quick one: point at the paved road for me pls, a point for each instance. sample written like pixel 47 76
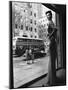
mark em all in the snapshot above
pixel 24 73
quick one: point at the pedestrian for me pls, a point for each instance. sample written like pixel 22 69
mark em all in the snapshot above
pixel 53 49
pixel 27 56
pixel 32 55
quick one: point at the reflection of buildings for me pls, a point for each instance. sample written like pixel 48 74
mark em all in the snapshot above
pixel 29 21
pixel 25 20
pixel 42 27
pixel 42 22
pixel 26 17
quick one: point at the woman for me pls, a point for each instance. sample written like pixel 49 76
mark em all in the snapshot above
pixel 53 49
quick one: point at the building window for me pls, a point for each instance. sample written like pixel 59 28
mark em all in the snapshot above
pixel 19 27
pixel 29 5
pixel 31 36
pixel 31 29
pixel 44 25
pixel 24 10
pixel 35 30
pixel 35 22
pixel 16 26
pixel 34 14
pixel 22 27
pixel 31 13
pixel 31 21
pixel 35 36
pixel 26 27
pixel 25 36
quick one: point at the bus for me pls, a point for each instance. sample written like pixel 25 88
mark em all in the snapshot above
pixel 20 44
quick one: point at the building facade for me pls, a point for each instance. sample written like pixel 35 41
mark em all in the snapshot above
pixel 29 20
pixel 25 19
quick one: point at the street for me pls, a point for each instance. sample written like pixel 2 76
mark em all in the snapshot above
pixel 24 73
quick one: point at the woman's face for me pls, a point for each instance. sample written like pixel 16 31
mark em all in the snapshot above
pixel 49 16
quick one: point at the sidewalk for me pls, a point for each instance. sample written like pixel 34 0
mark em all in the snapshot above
pixel 24 73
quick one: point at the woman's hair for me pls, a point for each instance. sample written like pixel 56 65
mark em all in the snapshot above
pixel 49 12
